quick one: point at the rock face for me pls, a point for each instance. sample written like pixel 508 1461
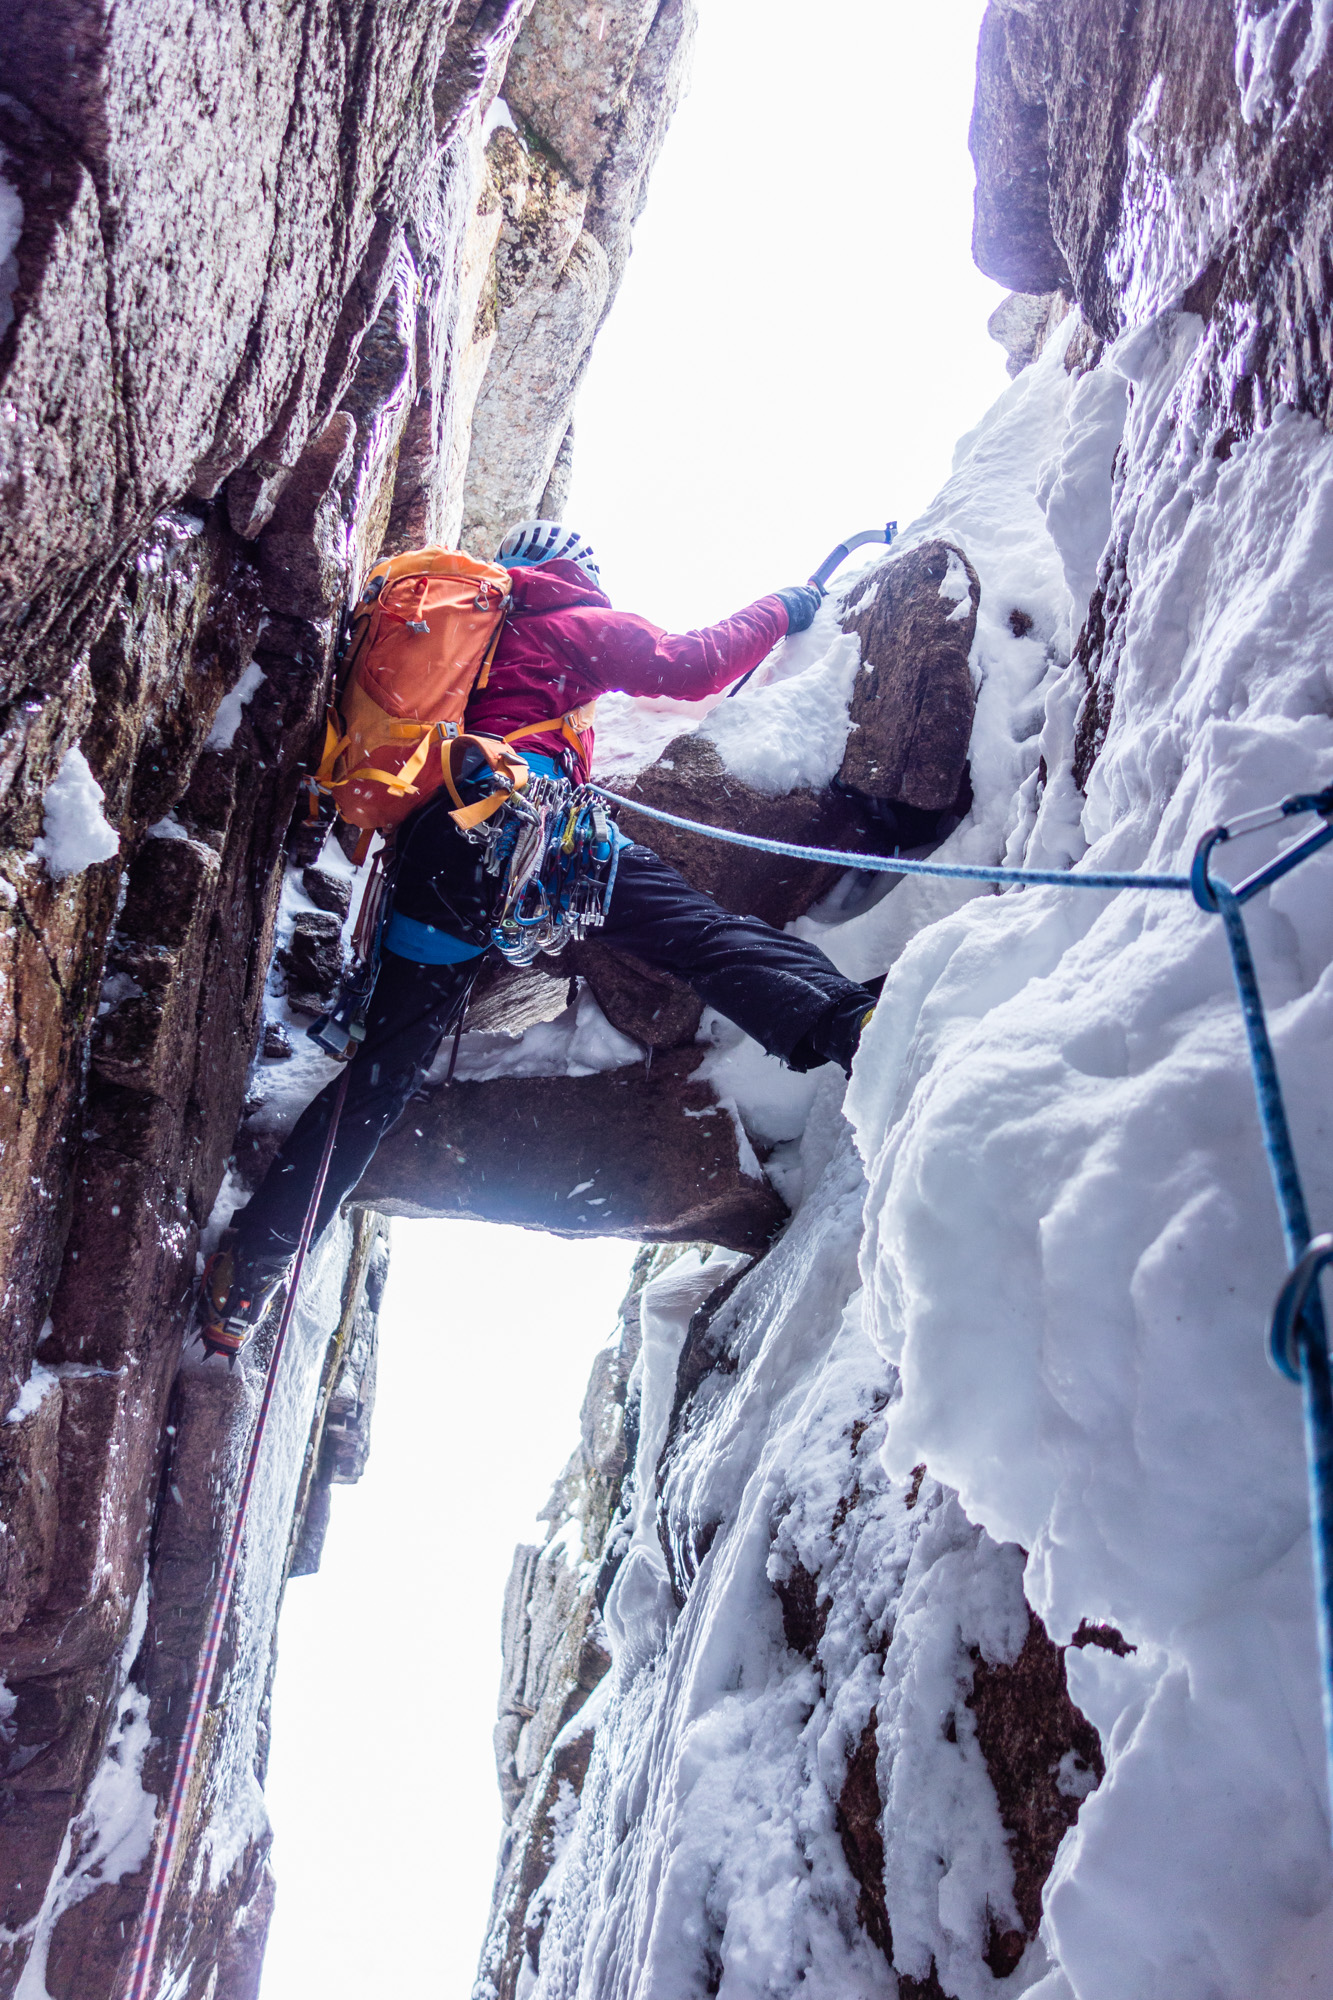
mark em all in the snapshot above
pixel 832 1573
pixel 632 1152
pixel 591 97
pixel 555 1649
pixel 896 1633
pixel 912 709
pixel 255 295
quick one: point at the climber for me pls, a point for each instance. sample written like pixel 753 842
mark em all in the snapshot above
pixel 562 645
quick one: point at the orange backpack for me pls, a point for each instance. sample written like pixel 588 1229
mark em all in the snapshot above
pixel 423 636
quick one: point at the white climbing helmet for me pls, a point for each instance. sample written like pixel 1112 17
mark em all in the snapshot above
pixel 533 542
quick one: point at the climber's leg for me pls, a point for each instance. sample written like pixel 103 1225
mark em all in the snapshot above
pixel 410 1011
pixel 780 989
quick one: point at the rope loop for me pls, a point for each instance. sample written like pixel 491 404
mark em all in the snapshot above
pixel 1290 1327
pixel 1204 893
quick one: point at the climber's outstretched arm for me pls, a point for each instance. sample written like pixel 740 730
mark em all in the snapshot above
pixel 631 655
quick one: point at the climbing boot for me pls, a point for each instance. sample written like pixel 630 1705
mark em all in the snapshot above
pixel 237 1293
pixel 836 1035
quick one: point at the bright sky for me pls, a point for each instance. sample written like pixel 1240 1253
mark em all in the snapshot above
pixel 801 338
pixel 799 342
pixel 382 1786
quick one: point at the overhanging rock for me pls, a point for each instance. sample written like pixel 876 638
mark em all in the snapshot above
pixel 643 1152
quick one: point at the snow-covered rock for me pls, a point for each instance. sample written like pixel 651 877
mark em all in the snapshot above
pixel 958 1598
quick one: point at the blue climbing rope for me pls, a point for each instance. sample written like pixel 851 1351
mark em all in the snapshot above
pixel 898 864
pixel 1298 1334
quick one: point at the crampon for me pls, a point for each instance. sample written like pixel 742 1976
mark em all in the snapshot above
pixel 235 1298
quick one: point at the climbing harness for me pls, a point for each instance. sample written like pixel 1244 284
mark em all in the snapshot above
pixel 139 1982
pixel 819 577
pixel 552 852
pixel 1298 1336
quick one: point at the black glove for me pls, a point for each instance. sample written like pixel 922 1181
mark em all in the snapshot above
pixel 801 602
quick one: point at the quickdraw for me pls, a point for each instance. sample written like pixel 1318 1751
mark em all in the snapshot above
pixel 552 851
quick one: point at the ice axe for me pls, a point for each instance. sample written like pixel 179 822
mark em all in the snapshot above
pixel 835 557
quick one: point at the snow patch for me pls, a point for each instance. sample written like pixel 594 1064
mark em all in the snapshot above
pixel 497 115
pixel 639 1607
pixel 75 832
pixel 113 1833
pixel 579 1042
pixel 633 732
pixel 167 828
pixel 228 718
pixel 1261 30
pixel 766 1101
pixel 787 728
pixel 1074 487
pixel 35 1390
pixel 116 989
pixel 955 588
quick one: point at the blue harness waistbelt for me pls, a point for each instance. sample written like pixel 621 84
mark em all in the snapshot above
pixel 425 944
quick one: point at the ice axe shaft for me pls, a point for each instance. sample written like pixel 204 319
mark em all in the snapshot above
pixel 835 557
pixel 820 576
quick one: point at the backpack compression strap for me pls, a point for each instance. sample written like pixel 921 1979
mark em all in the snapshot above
pixel 507 766
pixel 569 726
pixel 510 769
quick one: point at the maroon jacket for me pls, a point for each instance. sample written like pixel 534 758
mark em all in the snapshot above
pixel 563 645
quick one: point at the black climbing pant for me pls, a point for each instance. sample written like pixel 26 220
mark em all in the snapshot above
pixel 779 989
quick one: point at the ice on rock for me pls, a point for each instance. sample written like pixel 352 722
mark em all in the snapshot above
pixel 579 1042
pixel 787 729
pixel 41 1381
pixel 112 1834
pixel 1071 1242
pixel 955 588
